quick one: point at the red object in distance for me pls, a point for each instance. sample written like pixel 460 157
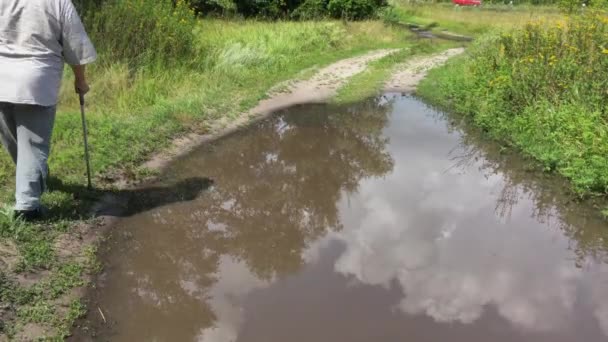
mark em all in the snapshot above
pixel 467 2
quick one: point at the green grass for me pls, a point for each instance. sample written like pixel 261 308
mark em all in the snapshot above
pixel 541 90
pixel 44 302
pixel 41 302
pixel 370 82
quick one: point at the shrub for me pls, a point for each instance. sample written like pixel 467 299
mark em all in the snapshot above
pixel 298 9
pixel 311 9
pixel 213 6
pixel 389 15
pixel 354 9
pixel 264 8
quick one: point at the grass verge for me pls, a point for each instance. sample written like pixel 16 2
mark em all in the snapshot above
pixel 370 82
pixel 542 90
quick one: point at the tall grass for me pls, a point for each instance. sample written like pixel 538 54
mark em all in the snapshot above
pixel 543 89
pixel 144 32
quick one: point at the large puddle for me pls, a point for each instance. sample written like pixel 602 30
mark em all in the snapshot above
pixel 377 222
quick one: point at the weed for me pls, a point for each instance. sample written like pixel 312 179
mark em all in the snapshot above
pixel 34 247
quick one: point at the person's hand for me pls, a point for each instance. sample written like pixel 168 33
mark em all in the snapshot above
pixel 81 86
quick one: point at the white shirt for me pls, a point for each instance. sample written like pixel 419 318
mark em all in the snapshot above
pixel 36 38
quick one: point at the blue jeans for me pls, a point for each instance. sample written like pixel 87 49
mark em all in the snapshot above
pixel 25 132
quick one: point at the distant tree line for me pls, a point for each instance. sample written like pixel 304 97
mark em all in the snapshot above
pixel 272 9
pixel 319 9
pixel 290 9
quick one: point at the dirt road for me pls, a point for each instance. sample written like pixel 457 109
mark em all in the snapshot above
pixel 320 88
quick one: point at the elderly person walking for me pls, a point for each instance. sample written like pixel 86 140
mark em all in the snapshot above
pixel 36 38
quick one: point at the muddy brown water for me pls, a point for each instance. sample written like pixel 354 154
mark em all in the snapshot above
pixel 381 221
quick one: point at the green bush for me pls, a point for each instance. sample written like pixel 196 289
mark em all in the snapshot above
pixel 543 89
pixel 390 15
pixel 270 9
pixel 311 9
pixel 260 8
pixel 144 32
pixel 222 7
pixel 299 9
pixel 354 9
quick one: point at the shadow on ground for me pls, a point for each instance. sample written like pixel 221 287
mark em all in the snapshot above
pixel 73 201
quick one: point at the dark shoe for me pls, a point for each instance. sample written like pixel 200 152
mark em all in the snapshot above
pixel 29 215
